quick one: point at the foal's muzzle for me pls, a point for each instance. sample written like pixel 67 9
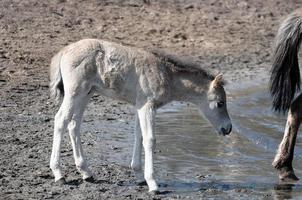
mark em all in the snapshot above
pixel 226 130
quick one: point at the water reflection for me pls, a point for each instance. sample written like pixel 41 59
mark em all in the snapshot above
pixel 283 191
pixel 191 157
pixel 190 148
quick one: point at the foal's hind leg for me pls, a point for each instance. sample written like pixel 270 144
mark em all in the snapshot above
pixel 79 104
pixel 61 121
pixel 284 157
pixel 69 115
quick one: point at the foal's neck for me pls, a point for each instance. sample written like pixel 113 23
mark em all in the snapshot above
pixel 189 86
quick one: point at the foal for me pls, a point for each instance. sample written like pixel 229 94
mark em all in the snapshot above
pixel 284 82
pixel 147 80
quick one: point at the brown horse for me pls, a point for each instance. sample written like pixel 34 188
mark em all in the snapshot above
pixel 284 83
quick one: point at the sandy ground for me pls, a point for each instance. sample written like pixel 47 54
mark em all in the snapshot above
pixel 230 36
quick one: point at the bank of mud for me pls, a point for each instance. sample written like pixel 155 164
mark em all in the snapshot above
pixel 232 37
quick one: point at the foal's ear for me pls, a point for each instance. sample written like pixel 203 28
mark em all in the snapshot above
pixel 218 81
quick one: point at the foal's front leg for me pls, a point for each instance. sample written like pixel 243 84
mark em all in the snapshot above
pixel 136 163
pixel 146 118
pixel 284 157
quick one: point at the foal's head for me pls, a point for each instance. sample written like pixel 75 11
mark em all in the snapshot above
pixel 214 106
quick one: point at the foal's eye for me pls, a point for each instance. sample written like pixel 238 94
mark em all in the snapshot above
pixel 220 104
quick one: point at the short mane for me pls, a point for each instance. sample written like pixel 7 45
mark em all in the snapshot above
pixel 181 64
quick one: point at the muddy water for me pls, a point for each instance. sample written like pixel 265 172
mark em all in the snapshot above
pixel 191 151
pixel 192 158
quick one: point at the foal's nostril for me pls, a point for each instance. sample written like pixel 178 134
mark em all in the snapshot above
pixel 227 130
pixel 223 131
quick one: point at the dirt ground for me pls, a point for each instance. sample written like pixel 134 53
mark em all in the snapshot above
pixel 234 37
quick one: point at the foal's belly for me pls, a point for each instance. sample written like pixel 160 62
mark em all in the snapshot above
pixel 122 96
pixel 119 87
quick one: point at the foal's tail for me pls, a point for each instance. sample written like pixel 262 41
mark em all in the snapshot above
pixel 285 73
pixel 56 82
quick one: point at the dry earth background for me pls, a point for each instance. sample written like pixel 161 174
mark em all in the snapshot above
pixel 231 36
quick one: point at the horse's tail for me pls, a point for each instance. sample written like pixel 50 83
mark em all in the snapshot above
pixel 285 73
pixel 56 81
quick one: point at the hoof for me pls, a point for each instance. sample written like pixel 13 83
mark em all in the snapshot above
pixel 154 192
pixel 142 183
pixel 136 168
pixel 61 181
pixel 288 176
pixel 89 179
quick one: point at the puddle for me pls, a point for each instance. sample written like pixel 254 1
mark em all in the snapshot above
pixel 192 157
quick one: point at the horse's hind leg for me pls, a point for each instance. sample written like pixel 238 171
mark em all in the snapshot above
pixel 284 157
pixel 79 103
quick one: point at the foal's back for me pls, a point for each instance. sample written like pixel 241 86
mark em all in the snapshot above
pixel 113 70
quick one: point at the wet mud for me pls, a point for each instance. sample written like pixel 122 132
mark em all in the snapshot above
pixel 232 37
